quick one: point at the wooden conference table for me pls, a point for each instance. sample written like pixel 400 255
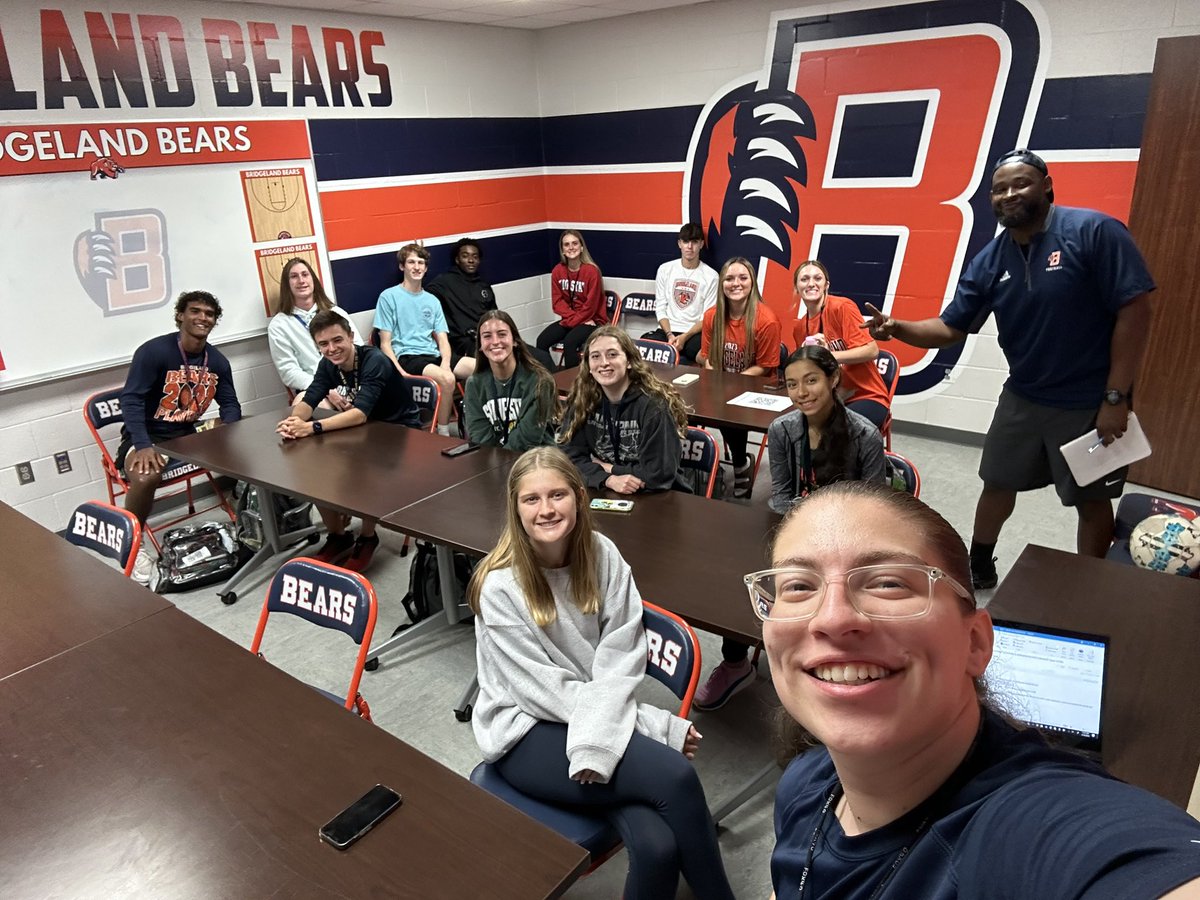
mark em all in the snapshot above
pixel 709 395
pixel 1152 724
pixel 399 476
pixel 370 470
pixel 687 553
pixel 160 759
pixel 51 602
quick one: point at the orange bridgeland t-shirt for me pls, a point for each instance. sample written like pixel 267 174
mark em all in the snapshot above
pixel 733 358
pixel 840 321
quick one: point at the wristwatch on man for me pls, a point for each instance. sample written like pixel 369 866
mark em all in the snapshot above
pixel 318 427
pixel 1113 397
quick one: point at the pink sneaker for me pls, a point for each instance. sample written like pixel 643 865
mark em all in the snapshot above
pixel 723 682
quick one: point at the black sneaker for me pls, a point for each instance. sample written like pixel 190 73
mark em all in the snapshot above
pixel 363 553
pixel 335 548
pixel 983 576
pixel 743 481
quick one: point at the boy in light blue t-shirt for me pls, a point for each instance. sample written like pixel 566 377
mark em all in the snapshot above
pixel 413 332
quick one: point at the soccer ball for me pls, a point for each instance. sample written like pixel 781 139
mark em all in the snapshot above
pixel 1166 543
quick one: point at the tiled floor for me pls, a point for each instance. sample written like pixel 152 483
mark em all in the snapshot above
pixel 413 693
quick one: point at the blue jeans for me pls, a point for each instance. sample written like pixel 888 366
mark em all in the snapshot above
pixel 654 800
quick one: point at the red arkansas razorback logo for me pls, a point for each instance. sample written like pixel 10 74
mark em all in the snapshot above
pixel 867 141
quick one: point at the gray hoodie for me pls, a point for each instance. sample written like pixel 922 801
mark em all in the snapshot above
pixel 579 670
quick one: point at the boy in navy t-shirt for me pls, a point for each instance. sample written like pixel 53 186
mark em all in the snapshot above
pixel 171 382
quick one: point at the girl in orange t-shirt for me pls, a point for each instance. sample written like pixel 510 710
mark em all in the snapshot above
pixel 835 323
pixel 739 334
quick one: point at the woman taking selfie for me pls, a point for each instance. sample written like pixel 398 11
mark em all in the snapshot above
pixel 818 443
pixel 915 787
pixel 560 651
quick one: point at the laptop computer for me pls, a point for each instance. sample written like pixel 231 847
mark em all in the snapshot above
pixel 1053 680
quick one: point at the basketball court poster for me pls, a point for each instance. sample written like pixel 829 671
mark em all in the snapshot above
pixel 270 268
pixel 277 204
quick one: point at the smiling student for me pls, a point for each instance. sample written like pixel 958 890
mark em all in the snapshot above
pixel 915 787
pixel 171 382
pixel 560 650
pixel 623 423
pixel 413 331
pixel 301 297
pixel 684 290
pixel 510 400
pixel 577 297
pixel 836 323
pixel 376 391
pixel 739 334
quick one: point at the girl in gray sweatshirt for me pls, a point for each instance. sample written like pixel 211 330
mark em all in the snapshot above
pixel 560 650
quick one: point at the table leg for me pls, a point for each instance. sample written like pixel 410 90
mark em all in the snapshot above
pixel 762 779
pixel 453 611
pixel 273 543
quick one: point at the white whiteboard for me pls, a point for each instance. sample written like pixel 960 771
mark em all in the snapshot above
pixel 58 328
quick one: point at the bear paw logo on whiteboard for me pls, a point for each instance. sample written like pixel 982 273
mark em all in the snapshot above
pixel 122 262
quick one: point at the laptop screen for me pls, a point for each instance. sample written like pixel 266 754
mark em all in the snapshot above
pixel 1051 679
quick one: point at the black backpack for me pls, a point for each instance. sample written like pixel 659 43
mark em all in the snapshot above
pixel 424 582
pixel 290 515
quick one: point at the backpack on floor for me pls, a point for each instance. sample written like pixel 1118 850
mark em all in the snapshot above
pixel 290 514
pixel 196 555
pixel 424 582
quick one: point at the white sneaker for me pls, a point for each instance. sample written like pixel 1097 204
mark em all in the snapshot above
pixel 144 567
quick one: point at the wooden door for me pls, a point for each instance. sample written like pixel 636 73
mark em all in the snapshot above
pixel 1165 222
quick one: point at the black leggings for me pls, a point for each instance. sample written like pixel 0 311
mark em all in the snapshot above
pixel 654 800
pixel 736 440
pixel 572 339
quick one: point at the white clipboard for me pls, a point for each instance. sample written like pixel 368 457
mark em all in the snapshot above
pixel 1089 460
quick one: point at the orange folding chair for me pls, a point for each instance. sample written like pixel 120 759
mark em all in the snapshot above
pixel 108 530
pixel 331 597
pixel 103 416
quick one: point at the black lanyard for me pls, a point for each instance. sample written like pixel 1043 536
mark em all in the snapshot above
pixel 192 379
pixel 614 434
pixel 935 806
pixel 807 479
pixel 350 386
pixel 833 797
pixel 501 428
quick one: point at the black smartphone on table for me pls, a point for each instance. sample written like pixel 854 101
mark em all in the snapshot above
pixel 460 449
pixel 360 816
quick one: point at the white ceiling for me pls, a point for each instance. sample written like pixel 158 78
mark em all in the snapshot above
pixel 531 14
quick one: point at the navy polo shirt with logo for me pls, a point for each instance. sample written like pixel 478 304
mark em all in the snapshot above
pixel 1055 308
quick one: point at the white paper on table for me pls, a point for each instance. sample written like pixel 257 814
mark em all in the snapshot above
pixel 1090 460
pixel 755 400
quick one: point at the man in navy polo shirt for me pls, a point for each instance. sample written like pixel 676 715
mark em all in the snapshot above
pixel 1070 293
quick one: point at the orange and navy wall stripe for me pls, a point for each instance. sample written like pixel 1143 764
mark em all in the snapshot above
pixel 516 181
